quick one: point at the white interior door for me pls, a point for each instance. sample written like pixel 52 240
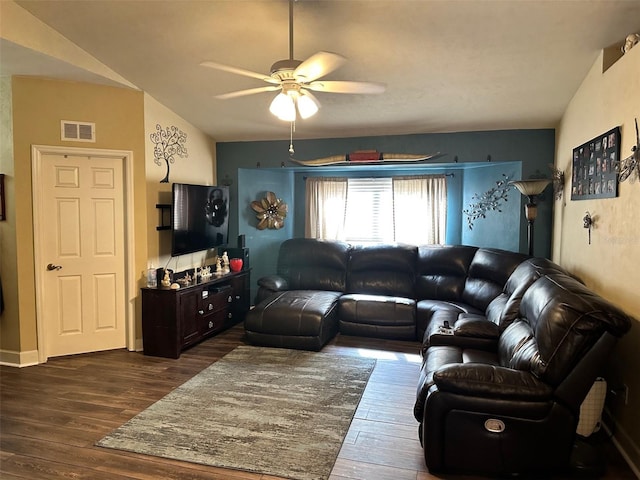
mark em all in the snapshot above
pixel 82 257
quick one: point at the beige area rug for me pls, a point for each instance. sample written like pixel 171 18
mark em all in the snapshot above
pixel 266 410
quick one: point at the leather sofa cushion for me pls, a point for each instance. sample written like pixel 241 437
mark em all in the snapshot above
pixel 469 330
pixel 294 312
pixel 517 347
pixel 442 271
pixel 377 310
pixel 309 264
pixel 505 308
pixel 566 319
pixel 382 270
pixel 486 380
pixel 434 358
pixel 273 282
pixel 488 273
pixel 426 310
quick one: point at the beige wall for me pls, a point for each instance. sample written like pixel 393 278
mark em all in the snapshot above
pixel 38 107
pixel 611 264
pixel 8 265
pixel 198 167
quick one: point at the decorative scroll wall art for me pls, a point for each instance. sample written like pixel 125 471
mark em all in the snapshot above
pixel 594 167
pixel 168 143
pixel 490 200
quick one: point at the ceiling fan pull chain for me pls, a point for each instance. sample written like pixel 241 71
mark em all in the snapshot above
pixel 291 150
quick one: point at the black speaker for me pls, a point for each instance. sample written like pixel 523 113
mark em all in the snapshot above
pixel 242 253
pixel 241 240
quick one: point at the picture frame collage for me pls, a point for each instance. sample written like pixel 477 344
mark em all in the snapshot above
pixel 594 172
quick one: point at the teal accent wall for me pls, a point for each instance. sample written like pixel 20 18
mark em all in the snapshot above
pixel 253 184
pixel 500 228
pixel 254 168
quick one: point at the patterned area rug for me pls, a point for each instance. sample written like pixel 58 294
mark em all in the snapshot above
pixel 265 410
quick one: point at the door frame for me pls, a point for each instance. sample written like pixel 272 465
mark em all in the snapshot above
pixel 126 156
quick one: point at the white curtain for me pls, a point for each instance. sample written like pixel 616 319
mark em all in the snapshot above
pixel 418 216
pixel 325 203
pixel 420 209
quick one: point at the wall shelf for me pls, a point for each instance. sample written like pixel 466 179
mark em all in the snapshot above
pixel 165 211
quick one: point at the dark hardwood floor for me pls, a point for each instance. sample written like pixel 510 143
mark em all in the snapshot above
pixel 52 414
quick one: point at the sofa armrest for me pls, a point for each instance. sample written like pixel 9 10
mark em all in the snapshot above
pixel 273 282
pixel 491 381
pixel 477 328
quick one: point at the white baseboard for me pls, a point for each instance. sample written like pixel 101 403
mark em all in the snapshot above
pixel 12 358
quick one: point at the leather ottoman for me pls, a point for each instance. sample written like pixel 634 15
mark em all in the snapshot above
pixel 300 319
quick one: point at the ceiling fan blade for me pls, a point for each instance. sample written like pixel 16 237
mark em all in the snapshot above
pixel 250 91
pixel 337 86
pixel 318 65
pixel 239 71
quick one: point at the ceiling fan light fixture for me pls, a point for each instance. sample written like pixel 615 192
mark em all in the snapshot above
pixel 307 106
pixel 283 106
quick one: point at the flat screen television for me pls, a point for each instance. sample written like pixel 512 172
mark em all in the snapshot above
pixel 199 218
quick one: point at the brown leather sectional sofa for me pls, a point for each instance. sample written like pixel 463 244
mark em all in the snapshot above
pixel 510 344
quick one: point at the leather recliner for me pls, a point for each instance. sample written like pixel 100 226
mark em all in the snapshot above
pixel 515 409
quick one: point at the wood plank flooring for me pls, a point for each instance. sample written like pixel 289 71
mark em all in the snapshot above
pixel 52 414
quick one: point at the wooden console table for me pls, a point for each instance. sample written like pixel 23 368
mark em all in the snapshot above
pixel 173 320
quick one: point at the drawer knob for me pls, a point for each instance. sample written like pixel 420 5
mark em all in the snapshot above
pixel 201 312
pixel 210 324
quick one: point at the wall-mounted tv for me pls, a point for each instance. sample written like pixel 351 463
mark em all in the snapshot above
pixel 199 218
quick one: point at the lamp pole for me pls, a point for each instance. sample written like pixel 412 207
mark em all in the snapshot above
pixel 530 212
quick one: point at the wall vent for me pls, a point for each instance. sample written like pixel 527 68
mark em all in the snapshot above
pixel 78 131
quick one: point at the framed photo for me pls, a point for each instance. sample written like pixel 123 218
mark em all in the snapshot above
pixel 594 167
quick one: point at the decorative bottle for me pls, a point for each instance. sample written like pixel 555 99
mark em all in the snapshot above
pixel 152 279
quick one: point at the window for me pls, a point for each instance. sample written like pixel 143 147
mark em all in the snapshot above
pixel 399 209
pixel 369 210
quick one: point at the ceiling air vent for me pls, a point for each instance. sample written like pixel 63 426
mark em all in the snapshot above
pixel 78 131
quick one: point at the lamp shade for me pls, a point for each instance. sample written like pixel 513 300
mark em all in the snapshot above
pixel 531 187
pixel 283 107
pixel 307 106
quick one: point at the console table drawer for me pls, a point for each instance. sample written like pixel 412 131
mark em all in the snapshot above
pixel 215 300
pixel 213 322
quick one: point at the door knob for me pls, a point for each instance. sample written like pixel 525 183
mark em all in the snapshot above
pixel 51 266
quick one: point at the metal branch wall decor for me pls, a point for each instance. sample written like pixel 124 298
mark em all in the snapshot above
pixel 492 199
pixel 629 168
pixel 558 182
pixel 271 211
pixel 168 143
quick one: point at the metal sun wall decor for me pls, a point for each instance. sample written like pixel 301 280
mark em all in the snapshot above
pixel 271 211
pixel 492 199
pixel 594 167
pixel 168 143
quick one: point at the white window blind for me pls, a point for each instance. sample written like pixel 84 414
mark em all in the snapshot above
pixel 407 209
pixel 369 210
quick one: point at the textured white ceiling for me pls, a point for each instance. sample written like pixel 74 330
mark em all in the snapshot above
pixel 449 65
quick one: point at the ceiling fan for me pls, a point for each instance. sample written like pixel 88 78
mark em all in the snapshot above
pixel 296 79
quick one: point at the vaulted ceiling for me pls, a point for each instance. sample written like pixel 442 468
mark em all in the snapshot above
pixel 449 65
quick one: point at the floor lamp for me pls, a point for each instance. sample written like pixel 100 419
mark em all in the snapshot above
pixel 531 189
